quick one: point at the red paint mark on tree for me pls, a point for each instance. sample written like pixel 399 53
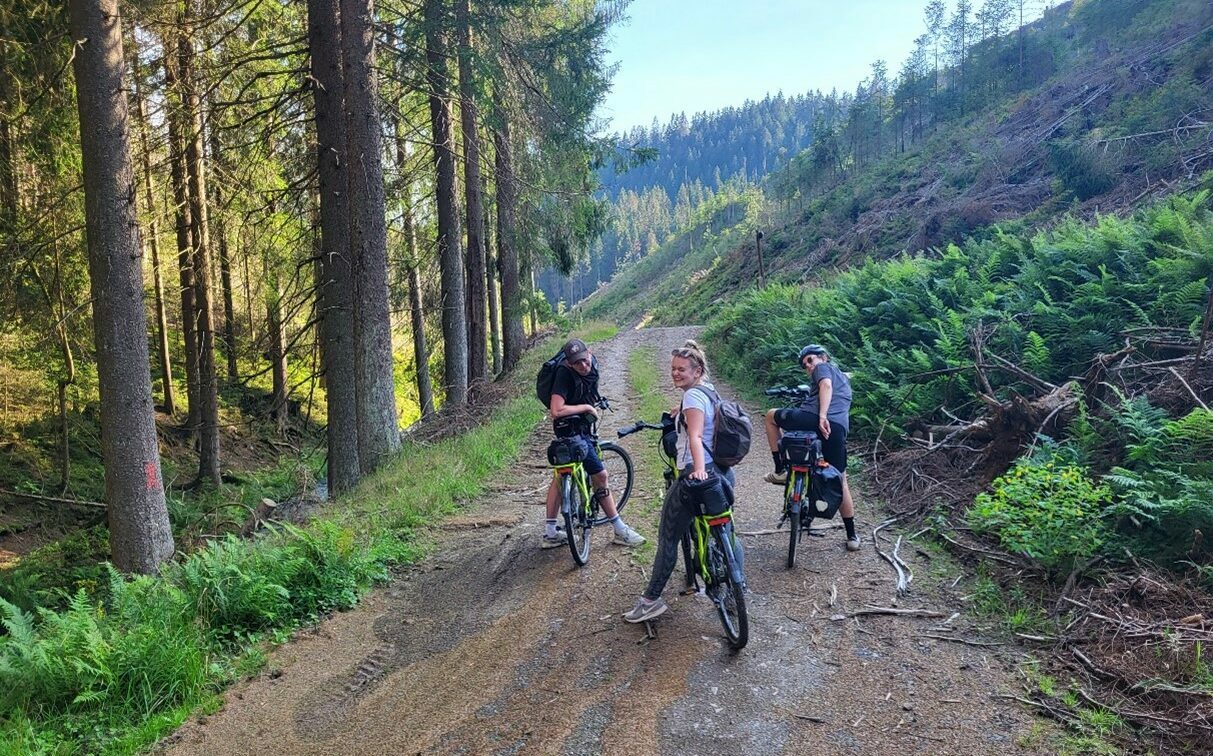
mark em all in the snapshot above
pixel 152 471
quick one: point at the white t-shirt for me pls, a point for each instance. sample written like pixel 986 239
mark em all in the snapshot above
pixel 693 398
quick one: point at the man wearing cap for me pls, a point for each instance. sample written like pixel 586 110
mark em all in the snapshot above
pixel 826 411
pixel 574 393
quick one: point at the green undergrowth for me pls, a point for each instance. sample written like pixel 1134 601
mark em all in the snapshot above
pixel 644 377
pixel 96 662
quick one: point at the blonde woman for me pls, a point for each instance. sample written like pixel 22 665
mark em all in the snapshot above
pixel 688 371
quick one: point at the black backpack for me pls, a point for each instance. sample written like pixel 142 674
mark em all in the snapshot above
pixel 547 377
pixel 733 430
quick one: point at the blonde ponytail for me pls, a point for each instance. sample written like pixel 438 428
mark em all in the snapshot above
pixel 693 352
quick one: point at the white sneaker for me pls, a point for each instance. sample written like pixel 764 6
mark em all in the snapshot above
pixel 627 537
pixel 554 542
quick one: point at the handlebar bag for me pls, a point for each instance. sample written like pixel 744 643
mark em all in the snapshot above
pixel 566 451
pixel 825 492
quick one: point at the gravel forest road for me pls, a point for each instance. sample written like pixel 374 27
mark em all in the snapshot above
pixel 493 646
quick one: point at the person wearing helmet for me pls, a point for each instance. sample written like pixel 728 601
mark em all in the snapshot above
pixel 826 411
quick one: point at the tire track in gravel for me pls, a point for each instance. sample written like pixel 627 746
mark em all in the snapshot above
pixel 492 646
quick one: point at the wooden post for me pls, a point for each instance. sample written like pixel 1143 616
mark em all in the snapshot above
pixel 762 271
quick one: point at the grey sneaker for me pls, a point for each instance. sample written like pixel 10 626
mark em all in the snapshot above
pixel 627 537
pixel 853 544
pixel 779 479
pixel 554 542
pixel 646 610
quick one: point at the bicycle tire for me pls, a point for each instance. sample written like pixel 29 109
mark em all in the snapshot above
pixel 793 517
pixel 577 531
pixel 618 464
pixel 730 603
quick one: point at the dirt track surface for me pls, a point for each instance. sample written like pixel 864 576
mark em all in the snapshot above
pixel 493 646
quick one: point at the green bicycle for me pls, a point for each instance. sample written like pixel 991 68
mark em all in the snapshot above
pixel 707 548
pixel 578 506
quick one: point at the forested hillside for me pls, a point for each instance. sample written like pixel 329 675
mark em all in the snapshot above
pixel 242 247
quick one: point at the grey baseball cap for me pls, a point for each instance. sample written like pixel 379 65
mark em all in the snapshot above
pixel 575 349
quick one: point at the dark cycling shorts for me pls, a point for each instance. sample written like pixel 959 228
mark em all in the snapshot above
pixel 834 448
pixel 593 465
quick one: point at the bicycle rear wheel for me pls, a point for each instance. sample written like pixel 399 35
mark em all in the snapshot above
pixel 621 474
pixel 795 489
pixel 728 594
pixel 577 523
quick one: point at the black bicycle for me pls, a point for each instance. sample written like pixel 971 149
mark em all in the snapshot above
pixel 707 549
pixel 802 450
pixel 578 506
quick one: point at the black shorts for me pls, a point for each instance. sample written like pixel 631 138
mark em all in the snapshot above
pixel 834 448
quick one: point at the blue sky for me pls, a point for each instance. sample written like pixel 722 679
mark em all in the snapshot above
pixel 692 55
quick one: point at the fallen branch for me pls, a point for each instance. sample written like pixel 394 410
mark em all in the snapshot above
pixel 52 499
pixel 902 584
pixel 1175 373
pixel 960 640
pixel 891 610
pixel 991 554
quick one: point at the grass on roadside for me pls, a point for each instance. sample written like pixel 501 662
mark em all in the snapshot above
pixel 124 660
pixel 645 380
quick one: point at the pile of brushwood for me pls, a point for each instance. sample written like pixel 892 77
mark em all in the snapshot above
pixel 1042 402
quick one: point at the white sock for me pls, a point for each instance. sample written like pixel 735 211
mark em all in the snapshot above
pixel 549 528
pixel 619 525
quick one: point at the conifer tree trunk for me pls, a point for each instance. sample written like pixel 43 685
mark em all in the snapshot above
pixel 490 264
pixel 185 254
pixel 476 269
pixel 454 324
pixel 208 378
pixel 337 290
pixel 225 269
pixel 378 429
pixel 162 348
pixel 140 537
pixel 277 347
pixel 421 352
pixel 512 336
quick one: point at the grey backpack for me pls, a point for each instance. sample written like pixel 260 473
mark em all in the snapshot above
pixel 733 430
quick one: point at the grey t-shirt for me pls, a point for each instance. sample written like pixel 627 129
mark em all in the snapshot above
pixel 840 400
pixel 693 398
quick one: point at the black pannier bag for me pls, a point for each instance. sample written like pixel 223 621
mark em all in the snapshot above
pixel 801 448
pixel 825 492
pixel 713 496
pixel 569 426
pixel 565 451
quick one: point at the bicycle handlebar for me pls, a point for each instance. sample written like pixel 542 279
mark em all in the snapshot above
pixel 638 426
pixel 791 391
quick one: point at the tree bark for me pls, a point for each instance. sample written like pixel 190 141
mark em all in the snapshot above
pixel 185 254
pixel 450 257
pixel 337 291
pixel 166 365
pixel 208 377
pixel 476 283
pixel 277 347
pixel 378 427
pixel 421 352
pixel 225 268
pixel 140 536
pixel 490 264
pixel 513 338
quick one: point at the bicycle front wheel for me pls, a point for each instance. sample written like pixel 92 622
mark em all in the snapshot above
pixel 621 474
pixel 729 596
pixel 576 522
